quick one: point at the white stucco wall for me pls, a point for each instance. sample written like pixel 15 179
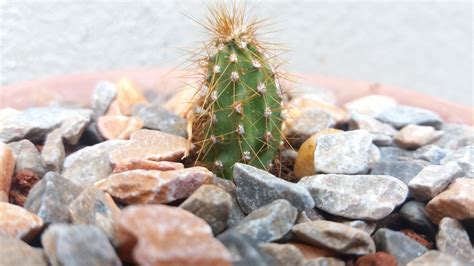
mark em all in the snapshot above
pixel 423 45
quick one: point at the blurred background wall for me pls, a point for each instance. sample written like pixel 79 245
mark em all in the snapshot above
pixel 422 45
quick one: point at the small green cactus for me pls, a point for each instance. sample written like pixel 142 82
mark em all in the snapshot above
pixel 238 112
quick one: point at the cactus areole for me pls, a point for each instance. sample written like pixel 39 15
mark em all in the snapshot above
pixel 237 116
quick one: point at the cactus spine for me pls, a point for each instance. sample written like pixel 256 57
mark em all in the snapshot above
pixel 238 113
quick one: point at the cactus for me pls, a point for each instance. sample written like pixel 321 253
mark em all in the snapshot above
pixel 238 113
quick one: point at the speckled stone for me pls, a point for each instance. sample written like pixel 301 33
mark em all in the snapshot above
pixel 301 126
pixel 28 158
pixel 399 245
pixel 17 252
pixel 90 164
pixel 370 124
pixel 324 262
pixel 404 169
pixel 331 148
pixel 370 105
pixel 72 129
pixel 78 245
pixel 7 166
pixel 158 118
pixel 453 239
pixel 142 186
pixel 434 257
pixel 366 197
pixel 430 153
pixel 413 213
pixel 464 157
pixel 433 179
pixel 35 123
pixel 146 165
pixel 256 188
pixel 236 214
pixel 270 222
pixel 17 222
pixel 366 226
pixel 338 237
pixel 401 115
pixel 284 254
pixel 415 136
pixel 118 126
pixel 53 151
pixel 212 204
pixel 244 249
pixel 456 136
pixel 50 198
pixel 103 95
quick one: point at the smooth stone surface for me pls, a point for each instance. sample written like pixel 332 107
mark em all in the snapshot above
pixel 50 198
pixel 453 239
pixel 399 245
pixel 382 140
pixel 370 105
pixel 270 222
pixel 456 136
pixel 324 262
pixel 256 188
pixel 430 153
pixel 456 202
pixel 17 222
pixel 97 208
pixel 16 252
pixel 284 254
pixel 433 179
pixel 34 123
pixel 400 116
pixel 142 186
pixel 338 237
pixel 163 235
pixel 28 158
pixel 434 257
pixel 118 126
pixel 355 145
pixel 413 212
pixel 103 95
pixel 147 165
pixel 151 145
pixel 90 164
pixel 404 170
pixel 77 245
pixel 7 166
pixel 212 204
pixel 370 124
pixel 376 259
pixel 158 118
pixel 415 136
pixel 464 157
pixel 53 151
pixel 366 197
pixel 244 249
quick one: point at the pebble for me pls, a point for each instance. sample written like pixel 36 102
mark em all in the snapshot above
pixel 78 245
pixel 377 259
pixel 415 136
pixel 97 208
pixel 212 204
pixel 366 197
pixel 103 95
pixel 324 262
pixel 374 126
pixel 53 151
pixel 28 158
pixel 17 222
pixel 395 154
pixel 456 136
pixel 164 235
pixel 21 185
pixel 152 145
pixel 306 154
pixel 399 245
pixel 90 164
pixel 401 115
pixel 308 215
pixel 7 166
pixel 433 179
pixel 118 126
pixel 158 118
pixel 355 145
pixel 455 202
pixel 413 213
pixel 244 249
pixel 370 105
pixel 434 257
pixel 256 188
pixel 430 153
pixel 453 239
pixel 182 101
pixel 404 170
pixel 17 252
pixel 146 187
pixel 368 227
pixel 464 157
pixel 418 238
pixel 72 129
pixel 91 135
pixel 270 222
pixel 35 123
pixel 338 237
pixel 146 165
pixel 382 140
pixel 312 252
pixel 128 95
pixel 236 214
pixel 50 198
pixel 304 103
pixel 299 127
pixel 284 254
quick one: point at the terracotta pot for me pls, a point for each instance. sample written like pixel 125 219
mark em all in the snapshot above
pixel 78 88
